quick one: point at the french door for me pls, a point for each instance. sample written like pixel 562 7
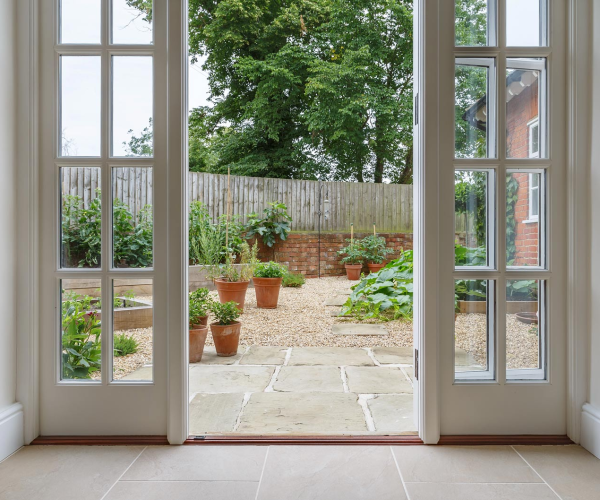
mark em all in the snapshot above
pixel 501 177
pixel 103 279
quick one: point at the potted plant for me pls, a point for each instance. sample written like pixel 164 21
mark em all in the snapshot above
pixel 375 252
pixel 267 283
pixel 231 282
pixel 353 260
pixel 199 304
pixel 226 330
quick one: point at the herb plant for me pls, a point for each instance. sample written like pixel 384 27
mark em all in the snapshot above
pixel 291 280
pixel 200 302
pixel 270 270
pixel 226 313
pixel 124 345
pixel 374 249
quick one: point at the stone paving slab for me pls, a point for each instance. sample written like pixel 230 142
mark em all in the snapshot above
pixel 263 355
pixel 209 357
pixel 358 329
pixel 214 413
pixel 410 371
pixel 230 379
pixel 332 356
pixel 394 355
pixel 143 373
pixel 280 412
pixel 377 380
pixel 309 379
pixel 338 300
pixel 392 413
pixel 464 358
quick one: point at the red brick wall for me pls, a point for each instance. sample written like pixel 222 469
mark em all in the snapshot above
pixel 300 252
pixel 520 111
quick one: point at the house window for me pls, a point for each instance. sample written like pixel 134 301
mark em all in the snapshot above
pixel 534 197
pixel 534 138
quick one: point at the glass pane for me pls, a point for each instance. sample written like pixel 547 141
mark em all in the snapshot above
pixel 524 219
pixel 80 101
pixel 132 106
pixel 523 111
pixel 80 21
pixel 132 327
pixel 132 217
pixel 474 122
pixel 132 22
pixel 525 23
pixel 81 211
pixel 471 190
pixel 471 23
pixel 80 330
pixel 472 329
pixel 523 346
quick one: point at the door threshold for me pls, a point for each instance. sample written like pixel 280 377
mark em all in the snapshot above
pixel 304 440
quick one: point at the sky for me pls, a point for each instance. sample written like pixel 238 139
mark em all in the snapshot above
pixel 132 82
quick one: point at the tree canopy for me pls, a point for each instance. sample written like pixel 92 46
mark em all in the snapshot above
pixel 303 89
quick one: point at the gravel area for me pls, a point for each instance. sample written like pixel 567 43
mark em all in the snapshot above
pixel 124 365
pixel 521 340
pixel 301 320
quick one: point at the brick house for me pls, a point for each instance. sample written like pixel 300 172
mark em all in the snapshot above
pixel 522 141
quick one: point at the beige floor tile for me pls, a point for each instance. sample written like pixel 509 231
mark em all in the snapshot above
pixel 573 472
pixel 463 464
pixel 214 413
pixel 198 463
pixel 330 473
pixel 236 379
pixel 448 491
pixel 183 490
pixel 64 472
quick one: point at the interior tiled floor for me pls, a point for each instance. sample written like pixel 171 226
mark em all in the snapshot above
pixel 300 472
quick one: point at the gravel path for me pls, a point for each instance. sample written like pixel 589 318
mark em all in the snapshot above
pixel 301 320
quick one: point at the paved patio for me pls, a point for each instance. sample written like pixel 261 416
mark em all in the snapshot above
pixel 303 390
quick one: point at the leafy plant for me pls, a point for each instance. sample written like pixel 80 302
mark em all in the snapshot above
pixel 522 290
pixel 132 241
pixel 200 303
pixel 81 231
pixel 386 295
pixel 226 313
pixel 270 270
pixel 81 329
pixel 464 256
pixel 354 254
pixel 292 280
pixel 274 224
pixel 125 345
pixel 374 249
pixel 229 272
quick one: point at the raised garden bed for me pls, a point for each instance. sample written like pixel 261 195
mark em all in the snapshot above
pixel 134 314
pixel 512 307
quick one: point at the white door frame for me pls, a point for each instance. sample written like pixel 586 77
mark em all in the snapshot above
pixel 579 17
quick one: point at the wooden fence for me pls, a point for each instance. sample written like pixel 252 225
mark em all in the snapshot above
pixel 389 206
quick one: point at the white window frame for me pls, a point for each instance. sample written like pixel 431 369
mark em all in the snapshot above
pixel 530 126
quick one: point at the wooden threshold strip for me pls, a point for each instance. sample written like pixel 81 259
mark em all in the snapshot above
pixel 504 440
pixel 101 440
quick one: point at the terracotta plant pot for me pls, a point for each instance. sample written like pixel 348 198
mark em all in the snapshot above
pixel 353 271
pixel 267 292
pixel 226 337
pixel 375 268
pixel 203 322
pixel 197 339
pixel 232 291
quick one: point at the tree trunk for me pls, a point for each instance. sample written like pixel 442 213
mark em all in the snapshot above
pixel 406 177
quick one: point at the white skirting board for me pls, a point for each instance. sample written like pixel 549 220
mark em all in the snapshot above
pixel 590 429
pixel 11 430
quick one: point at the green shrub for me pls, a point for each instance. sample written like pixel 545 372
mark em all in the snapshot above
pixel 80 337
pixel 200 303
pixel 270 270
pixel 132 241
pixel 124 345
pixel 226 313
pixel 291 280
pixel 274 223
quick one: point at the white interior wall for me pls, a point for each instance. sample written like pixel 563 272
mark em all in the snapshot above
pixel 11 416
